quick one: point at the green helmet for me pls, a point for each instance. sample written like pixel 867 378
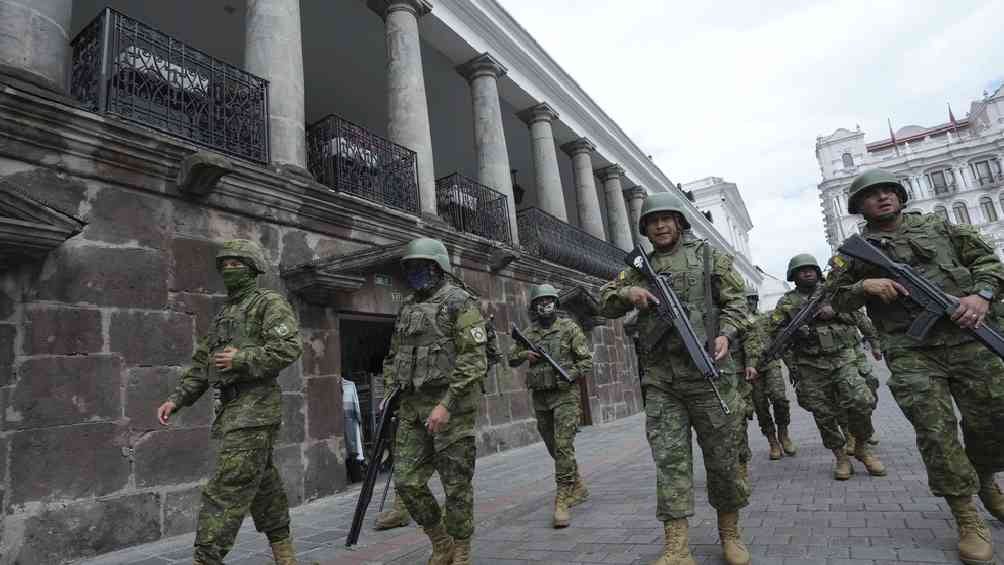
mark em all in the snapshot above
pixel 247 251
pixel 802 260
pixel 428 248
pixel 868 179
pixel 663 202
pixel 541 291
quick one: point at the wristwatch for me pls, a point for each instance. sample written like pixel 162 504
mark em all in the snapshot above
pixel 986 293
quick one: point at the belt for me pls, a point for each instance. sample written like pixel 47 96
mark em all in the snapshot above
pixel 230 392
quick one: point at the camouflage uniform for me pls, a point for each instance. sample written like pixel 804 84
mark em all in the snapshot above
pixel 437 355
pixel 769 389
pixel 261 324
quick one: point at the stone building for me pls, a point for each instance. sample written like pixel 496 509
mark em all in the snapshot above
pixel 134 139
pixel 953 169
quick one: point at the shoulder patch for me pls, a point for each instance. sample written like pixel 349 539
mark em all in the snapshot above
pixel 281 330
pixel 479 335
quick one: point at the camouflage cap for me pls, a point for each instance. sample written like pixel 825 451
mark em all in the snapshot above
pixel 246 250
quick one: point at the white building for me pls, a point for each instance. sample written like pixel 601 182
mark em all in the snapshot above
pixel 953 169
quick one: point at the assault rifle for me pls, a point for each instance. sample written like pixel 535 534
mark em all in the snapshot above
pixel 934 301
pixel 520 338
pixel 381 443
pixel 671 311
pixel 805 314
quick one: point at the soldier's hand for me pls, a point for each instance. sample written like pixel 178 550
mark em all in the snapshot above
pixel 751 374
pixel 641 297
pixel 224 360
pixel 165 411
pixel 721 347
pixel 971 311
pixel 437 419
pixel 887 290
pixel 826 313
pixel 533 357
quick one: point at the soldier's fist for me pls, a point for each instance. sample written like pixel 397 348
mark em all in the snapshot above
pixel 224 360
pixel 532 357
pixel 640 297
pixel 165 411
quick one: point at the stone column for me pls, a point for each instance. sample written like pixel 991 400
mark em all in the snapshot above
pixel 407 105
pixel 35 42
pixel 547 178
pixel 590 217
pixel 617 216
pixel 483 72
pixel 635 197
pixel 273 51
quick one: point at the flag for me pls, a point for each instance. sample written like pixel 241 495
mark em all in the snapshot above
pixel 892 136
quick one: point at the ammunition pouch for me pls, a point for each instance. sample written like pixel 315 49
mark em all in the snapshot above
pixel 230 392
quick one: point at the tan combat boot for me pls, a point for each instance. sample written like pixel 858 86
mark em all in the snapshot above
pixel 733 548
pixel 851 445
pixel 562 517
pixel 843 470
pixel 990 495
pixel 975 547
pixel 676 550
pixel 462 552
pixel 442 545
pixel 775 447
pixel 579 493
pixel 786 444
pixel 282 552
pixel 864 454
pixel 396 517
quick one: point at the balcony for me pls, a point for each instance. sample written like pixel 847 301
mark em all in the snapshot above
pixel 349 158
pixel 473 208
pixel 547 237
pixel 130 70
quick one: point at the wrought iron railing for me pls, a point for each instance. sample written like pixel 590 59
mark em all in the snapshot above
pixel 126 68
pixel 349 158
pixel 545 236
pixel 474 208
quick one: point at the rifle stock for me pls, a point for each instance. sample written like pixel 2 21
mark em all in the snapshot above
pixel 380 445
pixel 521 338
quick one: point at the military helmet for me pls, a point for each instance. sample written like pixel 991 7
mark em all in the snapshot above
pixel 869 179
pixel 428 248
pixel 802 260
pixel 663 202
pixel 249 252
pixel 542 291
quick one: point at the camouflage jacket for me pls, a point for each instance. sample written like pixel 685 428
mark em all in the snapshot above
pixel 565 342
pixel 953 257
pixel 819 339
pixel 754 340
pixel 262 326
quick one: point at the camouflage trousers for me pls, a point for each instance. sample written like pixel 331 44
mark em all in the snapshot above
pixel 924 383
pixel 864 367
pixel 768 391
pixel 450 452
pixel 745 392
pixel 671 410
pixel 557 412
pixel 829 386
pixel 246 480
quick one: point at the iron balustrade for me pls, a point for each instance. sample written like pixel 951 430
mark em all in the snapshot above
pixel 126 68
pixel 473 208
pixel 349 158
pixel 545 236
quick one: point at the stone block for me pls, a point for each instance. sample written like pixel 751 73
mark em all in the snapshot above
pixel 193 266
pixel 324 407
pixel 181 509
pixel 148 387
pixel 88 528
pixel 57 391
pixel 291 378
pixel 293 419
pixel 289 461
pixel 67 462
pixel 295 248
pixel 152 338
pixel 62 331
pixel 173 456
pixel 53 187
pixel 519 404
pixel 202 307
pixel 325 471
pixel 497 407
pixel 321 353
pixel 120 216
pixel 8 333
pixel 127 278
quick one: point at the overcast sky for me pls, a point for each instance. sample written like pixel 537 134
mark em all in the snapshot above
pixel 741 89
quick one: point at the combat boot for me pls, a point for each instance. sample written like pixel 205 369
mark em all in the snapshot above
pixel 462 552
pixel 676 550
pixel 775 447
pixel 851 445
pixel 975 547
pixel 562 517
pixel 579 493
pixel 282 552
pixel 864 454
pixel 843 470
pixel 396 517
pixel 733 548
pixel 786 444
pixel 442 545
pixel 990 495
pixel 874 440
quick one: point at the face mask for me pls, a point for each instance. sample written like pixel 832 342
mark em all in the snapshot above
pixel 546 308
pixel 236 277
pixel 422 277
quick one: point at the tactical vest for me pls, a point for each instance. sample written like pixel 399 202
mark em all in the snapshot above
pixel 825 337
pixel 238 325
pixel 689 287
pixel 542 376
pixel 425 350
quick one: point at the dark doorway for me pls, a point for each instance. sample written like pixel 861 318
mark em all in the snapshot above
pixel 365 342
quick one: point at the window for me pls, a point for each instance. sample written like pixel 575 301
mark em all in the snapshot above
pixel 961 213
pixel 848 160
pixel 988 209
pixel 908 186
pixel 943 181
pixel 986 171
pixel 941 211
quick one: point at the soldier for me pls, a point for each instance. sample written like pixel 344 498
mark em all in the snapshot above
pixel 396 517
pixel 438 358
pixel 677 396
pixel 828 380
pixel 747 354
pixel 253 337
pixel 555 400
pixel 864 367
pixel 769 391
pixel 949 364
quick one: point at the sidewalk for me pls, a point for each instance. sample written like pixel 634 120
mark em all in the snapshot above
pixel 797 515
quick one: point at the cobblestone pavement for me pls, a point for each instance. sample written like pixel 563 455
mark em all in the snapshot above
pixel 797 515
